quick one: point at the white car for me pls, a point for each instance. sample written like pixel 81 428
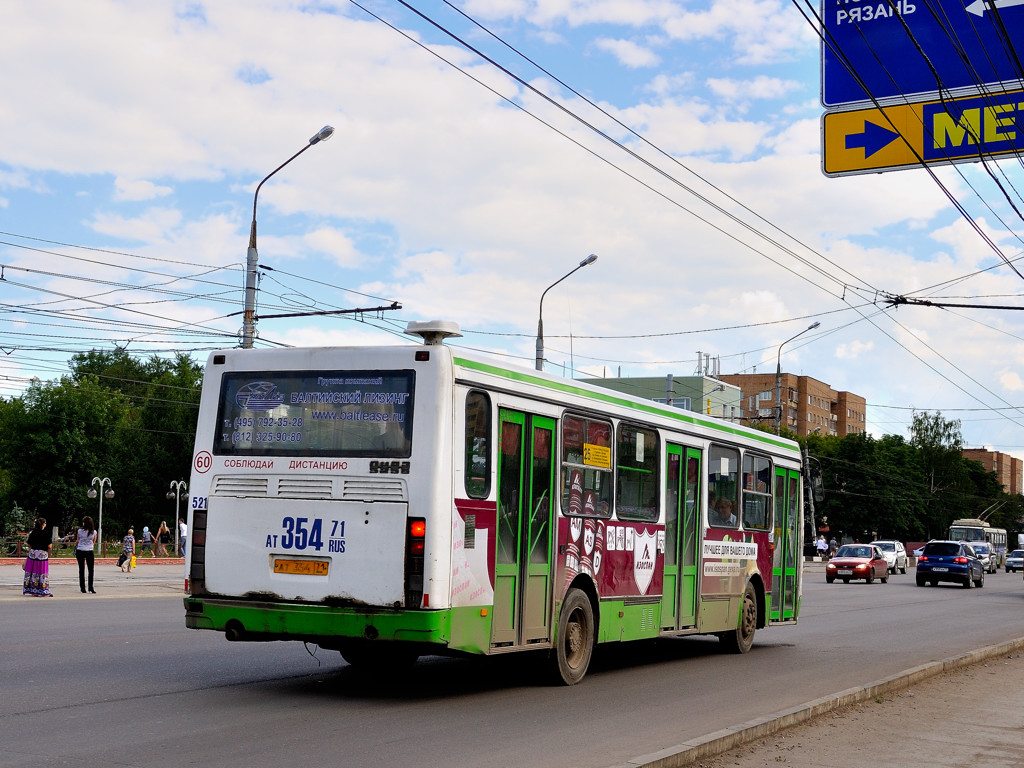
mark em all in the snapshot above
pixel 1015 561
pixel 895 554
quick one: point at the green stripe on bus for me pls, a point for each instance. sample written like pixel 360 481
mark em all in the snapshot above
pixel 612 399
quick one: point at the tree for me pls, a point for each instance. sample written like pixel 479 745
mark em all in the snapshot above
pixel 115 416
pixel 55 438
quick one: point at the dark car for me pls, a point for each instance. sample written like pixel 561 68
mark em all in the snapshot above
pixel 857 561
pixel 950 561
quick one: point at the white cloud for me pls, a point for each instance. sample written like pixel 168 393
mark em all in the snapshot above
pixel 854 350
pixel 1011 380
pixel 128 190
pixel 760 87
pixel 628 53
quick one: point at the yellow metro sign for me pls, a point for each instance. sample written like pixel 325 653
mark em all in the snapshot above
pixel 931 132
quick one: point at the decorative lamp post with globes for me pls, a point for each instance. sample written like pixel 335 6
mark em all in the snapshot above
pixel 179 491
pixel 101 494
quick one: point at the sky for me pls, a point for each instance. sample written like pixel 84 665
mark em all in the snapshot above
pixel 481 150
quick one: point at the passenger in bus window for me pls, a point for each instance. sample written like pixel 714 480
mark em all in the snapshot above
pixel 723 513
pixel 392 439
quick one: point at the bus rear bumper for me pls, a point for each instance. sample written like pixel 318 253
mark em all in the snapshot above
pixel 255 621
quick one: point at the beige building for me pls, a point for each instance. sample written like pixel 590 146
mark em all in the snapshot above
pixel 808 405
pixel 1009 471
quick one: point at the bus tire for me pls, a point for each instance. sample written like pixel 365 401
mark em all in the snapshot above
pixel 576 635
pixel 741 639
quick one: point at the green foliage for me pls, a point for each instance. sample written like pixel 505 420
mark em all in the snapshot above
pixel 15 520
pixel 890 488
pixel 132 421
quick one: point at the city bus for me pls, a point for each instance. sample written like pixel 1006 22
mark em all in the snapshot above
pixel 394 502
pixel 973 531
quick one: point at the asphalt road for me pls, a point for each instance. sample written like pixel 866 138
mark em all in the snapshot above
pixel 116 679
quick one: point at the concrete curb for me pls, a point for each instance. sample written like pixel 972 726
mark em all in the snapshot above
pixel 730 738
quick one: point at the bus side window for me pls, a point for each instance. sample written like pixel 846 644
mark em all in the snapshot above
pixel 723 486
pixel 478 445
pixel 757 473
pixel 636 471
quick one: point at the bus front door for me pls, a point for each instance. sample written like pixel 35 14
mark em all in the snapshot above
pixel 679 598
pixel 522 558
pixel 786 558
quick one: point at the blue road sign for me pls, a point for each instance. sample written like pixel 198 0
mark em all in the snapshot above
pixel 968 45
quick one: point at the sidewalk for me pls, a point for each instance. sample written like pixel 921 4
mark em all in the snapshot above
pixel 151 577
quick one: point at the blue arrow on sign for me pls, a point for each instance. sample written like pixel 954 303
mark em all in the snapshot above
pixel 872 139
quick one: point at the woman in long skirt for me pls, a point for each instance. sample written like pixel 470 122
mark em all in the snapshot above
pixel 37 564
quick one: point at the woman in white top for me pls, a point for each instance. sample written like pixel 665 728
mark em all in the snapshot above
pixel 84 552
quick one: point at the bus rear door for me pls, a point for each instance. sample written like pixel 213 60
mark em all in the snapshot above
pixel 679 598
pixel 522 568
pixel 785 562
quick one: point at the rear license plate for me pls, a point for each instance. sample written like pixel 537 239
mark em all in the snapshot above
pixel 940 569
pixel 301 567
pixel 844 573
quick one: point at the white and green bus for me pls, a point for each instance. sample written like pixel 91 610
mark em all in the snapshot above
pixel 393 502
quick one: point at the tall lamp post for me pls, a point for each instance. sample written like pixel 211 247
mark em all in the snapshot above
pixel 101 494
pixel 778 377
pixel 252 258
pixel 177 488
pixel 540 315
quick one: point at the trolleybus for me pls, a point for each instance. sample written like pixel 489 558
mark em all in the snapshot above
pixel 393 502
pixel 973 531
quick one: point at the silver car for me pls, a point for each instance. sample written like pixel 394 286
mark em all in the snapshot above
pixel 1015 561
pixel 895 554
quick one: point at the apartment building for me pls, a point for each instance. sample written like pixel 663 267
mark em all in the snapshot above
pixel 808 405
pixel 1009 471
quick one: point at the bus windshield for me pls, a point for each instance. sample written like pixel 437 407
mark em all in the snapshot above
pixel 316 413
pixel 966 533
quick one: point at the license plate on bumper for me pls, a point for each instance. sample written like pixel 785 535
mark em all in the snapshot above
pixel 301 567
pixel 842 572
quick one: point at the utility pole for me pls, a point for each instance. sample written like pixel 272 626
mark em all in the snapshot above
pixel 809 492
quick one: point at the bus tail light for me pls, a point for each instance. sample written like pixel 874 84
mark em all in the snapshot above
pixel 414 556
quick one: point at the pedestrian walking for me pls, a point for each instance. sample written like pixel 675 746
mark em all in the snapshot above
pixel 127 551
pixel 147 542
pixel 822 547
pixel 85 552
pixel 833 545
pixel 182 536
pixel 163 538
pixel 37 564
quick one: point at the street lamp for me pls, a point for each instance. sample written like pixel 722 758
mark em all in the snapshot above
pixel 177 486
pixel 252 258
pixel 778 377
pixel 540 315
pixel 101 494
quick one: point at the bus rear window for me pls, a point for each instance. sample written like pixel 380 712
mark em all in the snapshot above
pixel 316 413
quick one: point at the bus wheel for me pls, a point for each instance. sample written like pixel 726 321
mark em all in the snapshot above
pixel 576 635
pixel 741 639
pixel 378 657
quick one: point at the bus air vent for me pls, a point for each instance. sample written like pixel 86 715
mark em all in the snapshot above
pixel 376 489
pixel 305 487
pixel 240 486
